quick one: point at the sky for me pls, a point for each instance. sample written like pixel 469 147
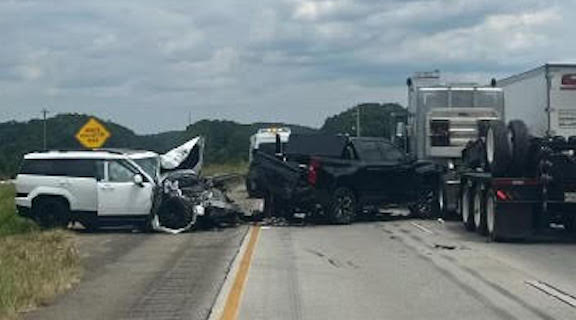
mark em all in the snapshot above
pixel 155 65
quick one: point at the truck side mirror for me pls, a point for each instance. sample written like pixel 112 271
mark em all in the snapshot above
pixel 400 129
pixel 278 152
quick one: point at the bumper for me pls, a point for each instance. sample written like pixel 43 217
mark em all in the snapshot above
pixel 24 211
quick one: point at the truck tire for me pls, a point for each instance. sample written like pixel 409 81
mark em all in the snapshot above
pixel 520 144
pixel 491 222
pixel 427 205
pixel 466 208
pixel 498 154
pixel 52 212
pixel 343 207
pixel 479 209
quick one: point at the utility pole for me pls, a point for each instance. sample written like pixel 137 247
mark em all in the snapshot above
pixel 44 113
pixel 358 121
pixel 189 118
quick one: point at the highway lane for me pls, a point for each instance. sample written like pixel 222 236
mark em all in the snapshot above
pixel 147 276
pixel 404 269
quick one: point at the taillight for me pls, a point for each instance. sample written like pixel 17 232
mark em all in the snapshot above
pixel 439 133
pixel 502 196
pixel 313 171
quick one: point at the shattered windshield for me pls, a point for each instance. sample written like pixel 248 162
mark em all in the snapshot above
pixel 150 165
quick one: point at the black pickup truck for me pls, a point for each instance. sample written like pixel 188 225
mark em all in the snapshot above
pixel 338 177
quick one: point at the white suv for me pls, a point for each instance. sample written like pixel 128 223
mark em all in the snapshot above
pixel 96 188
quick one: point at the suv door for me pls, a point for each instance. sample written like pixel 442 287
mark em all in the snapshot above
pixel 117 192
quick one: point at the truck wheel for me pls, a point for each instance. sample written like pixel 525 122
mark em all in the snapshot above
pixel 343 207
pixel 479 208
pixel 466 205
pixel 498 154
pixel 491 224
pixel 520 143
pixel 52 213
pixel 427 205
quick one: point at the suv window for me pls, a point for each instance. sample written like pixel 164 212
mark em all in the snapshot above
pixel 81 168
pixel 118 172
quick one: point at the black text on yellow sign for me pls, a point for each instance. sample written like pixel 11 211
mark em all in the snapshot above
pixel 93 134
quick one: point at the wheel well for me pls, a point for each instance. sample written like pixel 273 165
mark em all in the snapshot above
pixel 45 197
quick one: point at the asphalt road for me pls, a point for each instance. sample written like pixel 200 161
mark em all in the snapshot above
pixel 397 268
pixel 147 276
pixel 405 269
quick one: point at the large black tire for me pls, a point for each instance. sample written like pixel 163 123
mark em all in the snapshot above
pixel 176 213
pixel 520 144
pixel 343 206
pixel 52 212
pixel 479 210
pixel 466 207
pixel 498 154
pixel 427 206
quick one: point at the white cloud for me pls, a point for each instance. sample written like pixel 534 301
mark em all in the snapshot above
pixel 297 60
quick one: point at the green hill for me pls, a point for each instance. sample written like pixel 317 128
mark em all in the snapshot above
pixel 226 141
pixel 376 120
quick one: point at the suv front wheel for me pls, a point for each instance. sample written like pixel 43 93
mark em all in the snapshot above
pixel 51 212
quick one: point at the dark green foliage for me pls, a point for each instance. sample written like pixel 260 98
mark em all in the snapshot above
pixel 376 120
pixel 227 141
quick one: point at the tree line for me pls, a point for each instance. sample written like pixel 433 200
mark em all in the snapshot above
pixel 226 141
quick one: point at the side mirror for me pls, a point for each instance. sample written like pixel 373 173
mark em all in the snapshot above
pixel 139 180
pixel 400 129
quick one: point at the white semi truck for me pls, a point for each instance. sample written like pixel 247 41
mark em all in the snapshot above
pixel 443 118
pixel 263 140
pixel 519 179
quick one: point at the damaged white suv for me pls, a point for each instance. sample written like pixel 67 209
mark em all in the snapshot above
pixel 106 187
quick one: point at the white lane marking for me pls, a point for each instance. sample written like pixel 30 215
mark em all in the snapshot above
pixel 551 291
pixel 421 227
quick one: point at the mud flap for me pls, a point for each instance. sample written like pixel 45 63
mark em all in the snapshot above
pixel 514 220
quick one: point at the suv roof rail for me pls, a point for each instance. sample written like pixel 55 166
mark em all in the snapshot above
pixel 79 150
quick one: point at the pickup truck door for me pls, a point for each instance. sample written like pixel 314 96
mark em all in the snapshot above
pixel 383 173
pixel 118 195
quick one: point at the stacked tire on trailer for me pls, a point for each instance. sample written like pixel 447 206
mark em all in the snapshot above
pixel 504 150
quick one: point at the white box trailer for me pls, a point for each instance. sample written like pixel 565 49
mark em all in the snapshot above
pixel 544 98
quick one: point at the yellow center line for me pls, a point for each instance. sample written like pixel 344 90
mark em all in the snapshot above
pixel 234 298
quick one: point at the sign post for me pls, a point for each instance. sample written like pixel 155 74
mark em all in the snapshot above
pixel 93 134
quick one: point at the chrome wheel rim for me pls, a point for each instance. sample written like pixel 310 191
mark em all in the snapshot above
pixel 476 208
pixel 490 146
pixel 490 217
pixel 465 205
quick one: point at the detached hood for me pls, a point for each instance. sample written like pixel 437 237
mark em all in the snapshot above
pixel 188 156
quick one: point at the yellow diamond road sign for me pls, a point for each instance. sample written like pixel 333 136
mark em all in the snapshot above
pixel 93 134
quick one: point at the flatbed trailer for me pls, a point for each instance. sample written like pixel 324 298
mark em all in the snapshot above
pixel 507 207
pixel 501 208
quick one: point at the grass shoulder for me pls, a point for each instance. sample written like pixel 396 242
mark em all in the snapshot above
pixel 35 265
